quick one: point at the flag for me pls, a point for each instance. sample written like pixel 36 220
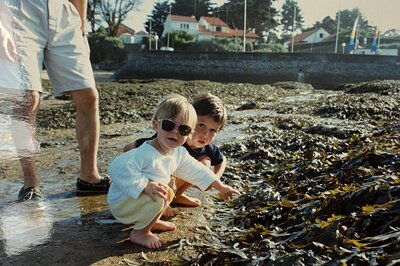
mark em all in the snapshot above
pixel 352 42
pixel 374 44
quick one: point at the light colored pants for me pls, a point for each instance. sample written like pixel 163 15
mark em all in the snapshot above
pixel 47 32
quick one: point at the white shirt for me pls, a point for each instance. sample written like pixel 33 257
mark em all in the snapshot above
pixel 131 171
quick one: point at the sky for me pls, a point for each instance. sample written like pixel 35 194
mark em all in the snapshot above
pixel 382 13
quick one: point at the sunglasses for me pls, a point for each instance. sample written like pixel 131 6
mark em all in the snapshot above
pixel 169 125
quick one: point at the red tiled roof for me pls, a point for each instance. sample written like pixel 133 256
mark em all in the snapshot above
pixel 183 18
pixel 300 37
pixel 202 29
pixel 215 21
pixel 239 33
pixel 124 29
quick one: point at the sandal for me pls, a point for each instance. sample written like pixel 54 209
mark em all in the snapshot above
pixel 85 189
pixel 30 193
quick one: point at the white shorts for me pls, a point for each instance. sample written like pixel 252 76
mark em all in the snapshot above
pixel 48 32
pixel 141 211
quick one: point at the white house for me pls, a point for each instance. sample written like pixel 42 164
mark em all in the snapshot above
pixel 126 34
pixel 129 36
pixel 205 28
pixel 139 36
pixel 315 35
pixel 180 23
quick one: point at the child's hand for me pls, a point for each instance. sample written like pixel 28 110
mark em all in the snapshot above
pixel 226 192
pixel 154 189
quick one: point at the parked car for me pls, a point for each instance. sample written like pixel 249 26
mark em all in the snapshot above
pixel 166 48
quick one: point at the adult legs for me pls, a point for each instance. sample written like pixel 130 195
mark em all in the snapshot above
pixel 23 131
pixel 87 132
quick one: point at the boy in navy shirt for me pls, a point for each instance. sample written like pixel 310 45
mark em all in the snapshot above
pixel 211 118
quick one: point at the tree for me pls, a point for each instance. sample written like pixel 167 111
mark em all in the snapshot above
pixel 260 15
pixel 288 12
pixel 114 12
pixel 189 8
pixel 347 18
pixel 92 11
pixel 329 24
pixel 158 17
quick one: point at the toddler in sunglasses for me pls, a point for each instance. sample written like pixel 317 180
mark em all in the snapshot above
pixel 140 191
pixel 211 118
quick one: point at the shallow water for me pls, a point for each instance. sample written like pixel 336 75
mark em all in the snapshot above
pixel 6 142
pixel 28 224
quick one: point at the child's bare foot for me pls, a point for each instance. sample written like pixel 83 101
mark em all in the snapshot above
pixel 163 226
pixel 170 212
pixel 186 201
pixel 146 239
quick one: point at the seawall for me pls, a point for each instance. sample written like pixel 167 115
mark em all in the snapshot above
pixel 321 70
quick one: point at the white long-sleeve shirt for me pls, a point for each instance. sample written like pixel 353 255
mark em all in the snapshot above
pixel 131 171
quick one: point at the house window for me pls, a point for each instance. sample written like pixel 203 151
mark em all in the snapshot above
pixel 184 26
pixel 218 28
pixel 321 35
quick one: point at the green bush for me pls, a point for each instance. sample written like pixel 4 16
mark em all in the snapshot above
pixel 105 48
pixel 179 40
pixel 270 48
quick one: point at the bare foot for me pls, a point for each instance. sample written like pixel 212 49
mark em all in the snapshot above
pixel 186 201
pixel 148 240
pixel 170 212
pixel 163 226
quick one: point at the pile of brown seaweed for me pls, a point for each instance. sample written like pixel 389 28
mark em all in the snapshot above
pixel 320 189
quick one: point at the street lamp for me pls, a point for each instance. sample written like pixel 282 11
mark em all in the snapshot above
pixel 150 36
pixel 343 46
pixel 156 38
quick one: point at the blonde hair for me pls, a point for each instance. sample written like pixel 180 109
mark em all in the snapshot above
pixel 174 105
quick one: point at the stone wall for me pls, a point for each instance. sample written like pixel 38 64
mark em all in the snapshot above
pixel 321 70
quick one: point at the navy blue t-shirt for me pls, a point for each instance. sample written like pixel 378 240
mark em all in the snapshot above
pixel 211 150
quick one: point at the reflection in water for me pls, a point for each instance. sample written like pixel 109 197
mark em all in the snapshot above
pixel 24 225
pixel 28 224
pixel 16 133
pixel 6 142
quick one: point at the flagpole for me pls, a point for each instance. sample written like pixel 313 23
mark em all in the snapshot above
pixel 357 33
pixel 294 23
pixel 244 25
pixel 379 42
pixel 337 33
pixel 353 39
pixel 170 26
